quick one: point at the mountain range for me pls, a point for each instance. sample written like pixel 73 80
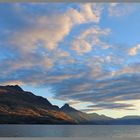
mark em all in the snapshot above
pixel 23 107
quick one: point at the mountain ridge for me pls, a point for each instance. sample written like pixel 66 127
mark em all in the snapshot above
pixel 23 107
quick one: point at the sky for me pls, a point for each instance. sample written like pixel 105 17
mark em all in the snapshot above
pixel 84 54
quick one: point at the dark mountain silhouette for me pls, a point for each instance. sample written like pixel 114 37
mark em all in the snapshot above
pixel 19 106
pixel 22 107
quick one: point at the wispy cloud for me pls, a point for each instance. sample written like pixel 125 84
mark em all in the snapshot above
pixel 119 9
pixel 115 106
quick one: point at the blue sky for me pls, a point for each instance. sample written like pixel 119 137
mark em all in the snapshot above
pixel 84 54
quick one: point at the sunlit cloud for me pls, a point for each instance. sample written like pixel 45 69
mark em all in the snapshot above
pixel 89 39
pixel 134 50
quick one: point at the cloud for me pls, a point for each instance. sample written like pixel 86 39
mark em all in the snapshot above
pixel 112 106
pixel 134 51
pixel 41 30
pixel 90 38
pixel 111 89
pixel 91 11
pixel 50 30
pixel 37 31
pixel 53 28
pixel 121 9
pixel 88 12
pixel 115 106
pixel 127 70
pixel 71 103
pixel 81 46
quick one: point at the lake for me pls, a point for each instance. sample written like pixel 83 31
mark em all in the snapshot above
pixel 96 131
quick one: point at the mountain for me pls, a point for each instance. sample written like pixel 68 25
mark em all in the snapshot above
pixel 78 116
pixel 22 107
pixel 127 120
pixel 130 117
pixel 95 116
pixel 84 118
pixel 19 106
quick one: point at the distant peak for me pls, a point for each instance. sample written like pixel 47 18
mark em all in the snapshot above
pixel 66 105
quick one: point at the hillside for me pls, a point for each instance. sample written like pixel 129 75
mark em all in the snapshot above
pixel 84 118
pixel 19 106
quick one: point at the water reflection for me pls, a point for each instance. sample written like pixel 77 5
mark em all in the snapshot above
pixel 69 131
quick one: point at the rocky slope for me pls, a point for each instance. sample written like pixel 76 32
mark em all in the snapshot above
pixel 19 106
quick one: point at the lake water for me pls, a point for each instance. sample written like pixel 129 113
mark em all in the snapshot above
pixel 96 131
